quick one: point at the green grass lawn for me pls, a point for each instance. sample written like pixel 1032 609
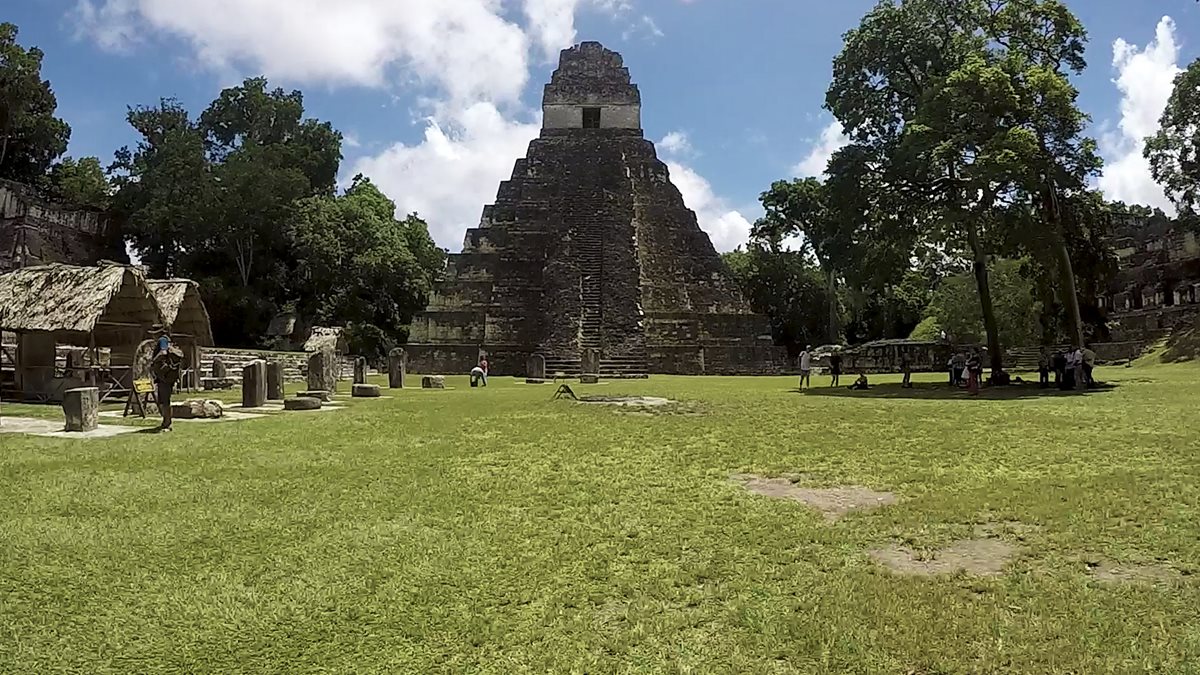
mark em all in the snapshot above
pixel 495 530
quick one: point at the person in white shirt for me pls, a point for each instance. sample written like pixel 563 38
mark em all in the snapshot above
pixel 806 367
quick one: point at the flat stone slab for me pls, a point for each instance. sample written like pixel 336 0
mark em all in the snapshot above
pixel 51 429
pixel 1109 572
pixel 320 395
pixel 365 391
pixel 268 407
pixel 227 416
pixel 628 401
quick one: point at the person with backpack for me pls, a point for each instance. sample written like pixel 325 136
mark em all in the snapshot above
pixel 166 362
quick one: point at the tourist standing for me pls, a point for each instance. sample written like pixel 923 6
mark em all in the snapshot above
pixel 806 367
pixel 1068 382
pixel 835 367
pixel 906 369
pixel 483 370
pixel 1078 360
pixel 959 365
pixel 1060 369
pixel 1089 364
pixel 974 371
pixel 165 364
pixel 1044 368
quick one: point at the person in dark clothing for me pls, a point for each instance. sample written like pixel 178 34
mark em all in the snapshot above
pixel 835 367
pixel 1060 369
pixel 165 365
pixel 906 369
pixel 974 372
pixel 1044 369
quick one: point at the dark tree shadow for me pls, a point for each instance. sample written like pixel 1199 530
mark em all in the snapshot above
pixel 1182 346
pixel 939 391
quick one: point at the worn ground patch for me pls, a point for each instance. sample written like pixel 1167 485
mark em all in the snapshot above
pixel 981 557
pixel 1109 572
pixel 628 401
pixel 833 502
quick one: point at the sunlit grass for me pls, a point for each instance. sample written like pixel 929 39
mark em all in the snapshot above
pixel 495 530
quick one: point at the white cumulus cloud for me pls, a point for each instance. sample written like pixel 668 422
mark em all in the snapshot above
pixel 726 226
pixel 1145 78
pixel 675 143
pixel 454 171
pixel 469 58
pixel 815 163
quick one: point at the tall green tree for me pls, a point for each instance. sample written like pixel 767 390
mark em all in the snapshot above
pixel 1174 152
pixel 31 137
pixel 165 190
pixel 967 106
pixel 801 208
pixel 81 182
pixel 362 268
pixel 787 288
pixel 215 198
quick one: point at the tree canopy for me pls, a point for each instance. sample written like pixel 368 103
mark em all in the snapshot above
pixel 31 137
pixel 1174 152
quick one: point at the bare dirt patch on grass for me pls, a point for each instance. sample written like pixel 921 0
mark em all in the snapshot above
pixel 980 557
pixel 1109 572
pixel 628 401
pixel 833 502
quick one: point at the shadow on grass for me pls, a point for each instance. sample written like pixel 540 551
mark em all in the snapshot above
pixel 1182 346
pixel 935 391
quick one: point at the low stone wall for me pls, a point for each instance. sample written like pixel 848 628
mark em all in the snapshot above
pixel 295 364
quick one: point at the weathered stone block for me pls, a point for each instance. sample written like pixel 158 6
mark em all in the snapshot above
pixel 535 367
pixel 397 365
pixel 319 394
pixel 302 403
pixel 196 409
pixel 254 384
pixel 590 364
pixel 433 382
pixel 360 370
pixel 219 371
pixel 82 408
pixel 589 379
pixel 323 370
pixel 274 381
pixel 365 391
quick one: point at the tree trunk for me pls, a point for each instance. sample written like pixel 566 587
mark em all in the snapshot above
pixel 996 357
pixel 1066 270
pixel 1071 295
pixel 834 328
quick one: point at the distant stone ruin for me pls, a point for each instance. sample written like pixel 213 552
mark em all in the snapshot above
pixel 35 231
pixel 590 246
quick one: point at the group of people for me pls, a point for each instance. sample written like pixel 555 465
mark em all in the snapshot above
pixel 835 371
pixel 966 370
pixel 1072 368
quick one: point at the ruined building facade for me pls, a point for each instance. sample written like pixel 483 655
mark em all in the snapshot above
pixel 34 231
pixel 590 246
pixel 1158 285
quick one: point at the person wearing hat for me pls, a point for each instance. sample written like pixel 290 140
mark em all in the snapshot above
pixel 164 368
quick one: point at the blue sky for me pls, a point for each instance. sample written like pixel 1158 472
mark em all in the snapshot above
pixel 439 97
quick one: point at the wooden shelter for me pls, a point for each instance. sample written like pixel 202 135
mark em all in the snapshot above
pixel 107 306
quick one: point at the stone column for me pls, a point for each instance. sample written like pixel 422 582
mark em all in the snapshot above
pixel 274 381
pixel 360 370
pixel 218 368
pixel 397 364
pixel 254 384
pixel 82 408
pixel 323 370
pixel 535 367
pixel 590 363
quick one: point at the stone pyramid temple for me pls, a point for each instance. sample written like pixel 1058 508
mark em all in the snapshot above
pixel 589 246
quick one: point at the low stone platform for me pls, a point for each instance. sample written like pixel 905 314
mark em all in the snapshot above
pixel 51 429
pixel 365 391
pixel 320 395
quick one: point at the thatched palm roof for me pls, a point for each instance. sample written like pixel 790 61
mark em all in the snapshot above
pixel 322 337
pixel 111 300
pixel 182 308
